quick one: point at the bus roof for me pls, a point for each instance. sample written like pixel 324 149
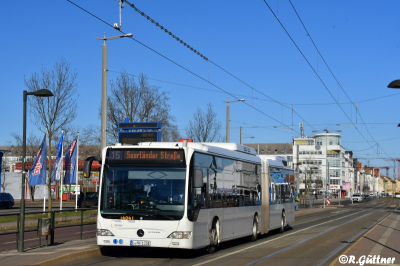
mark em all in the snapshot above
pixel 227 149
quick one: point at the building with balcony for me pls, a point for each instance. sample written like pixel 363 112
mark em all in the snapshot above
pixel 322 163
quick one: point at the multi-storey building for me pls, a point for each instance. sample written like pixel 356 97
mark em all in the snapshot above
pixel 350 175
pixel 322 163
pixel 276 149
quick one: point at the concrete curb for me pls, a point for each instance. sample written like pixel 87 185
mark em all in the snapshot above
pixel 69 258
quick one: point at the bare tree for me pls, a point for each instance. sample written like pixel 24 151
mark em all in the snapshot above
pixel 140 102
pixel 53 113
pixel 91 139
pixel 3 177
pixel 204 127
pixel 32 146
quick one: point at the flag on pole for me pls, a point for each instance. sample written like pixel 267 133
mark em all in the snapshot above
pixel 55 172
pixel 70 163
pixel 37 173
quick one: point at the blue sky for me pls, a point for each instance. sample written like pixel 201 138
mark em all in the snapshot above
pixel 359 40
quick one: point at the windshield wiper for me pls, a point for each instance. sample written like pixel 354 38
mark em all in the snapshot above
pixel 165 216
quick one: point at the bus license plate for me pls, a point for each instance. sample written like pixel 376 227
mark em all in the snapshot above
pixel 140 243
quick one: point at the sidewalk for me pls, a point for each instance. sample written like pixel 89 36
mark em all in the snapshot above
pixel 70 251
pixel 58 254
pixel 382 240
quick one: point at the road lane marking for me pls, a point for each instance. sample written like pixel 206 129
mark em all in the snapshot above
pixel 24 240
pixel 351 240
pixel 343 212
pixel 303 241
pixel 260 244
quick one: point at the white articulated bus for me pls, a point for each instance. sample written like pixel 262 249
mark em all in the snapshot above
pixel 188 195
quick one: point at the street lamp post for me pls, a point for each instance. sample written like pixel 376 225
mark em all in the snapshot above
pixel 395 84
pixel 227 116
pixel 38 93
pixel 103 138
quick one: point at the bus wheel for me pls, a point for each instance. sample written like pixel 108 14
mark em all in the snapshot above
pixel 254 230
pixel 214 238
pixel 283 223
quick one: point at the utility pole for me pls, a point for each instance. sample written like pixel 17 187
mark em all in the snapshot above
pixel 241 135
pixel 103 132
pixel 103 138
pixel 227 117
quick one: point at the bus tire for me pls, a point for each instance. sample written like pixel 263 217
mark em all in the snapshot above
pixel 107 251
pixel 254 229
pixel 283 223
pixel 214 238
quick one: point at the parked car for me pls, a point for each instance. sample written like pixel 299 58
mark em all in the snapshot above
pixel 6 200
pixel 366 196
pixel 356 197
pixel 90 200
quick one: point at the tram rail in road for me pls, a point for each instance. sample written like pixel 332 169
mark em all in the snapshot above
pixel 310 241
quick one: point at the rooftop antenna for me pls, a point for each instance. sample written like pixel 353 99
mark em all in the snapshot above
pixel 301 125
pixel 121 5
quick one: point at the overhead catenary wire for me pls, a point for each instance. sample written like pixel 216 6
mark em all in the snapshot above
pixel 319 77
pixel 326 64
pixel 158 25
pixel 165 30
pixel 251 97
pixel 188 69
pixel 184 68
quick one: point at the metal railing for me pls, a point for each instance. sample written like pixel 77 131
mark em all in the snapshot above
pixel 306 203
pixel 52 227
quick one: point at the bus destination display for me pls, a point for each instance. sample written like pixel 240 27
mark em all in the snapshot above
pixel 135 137
pixel 147 156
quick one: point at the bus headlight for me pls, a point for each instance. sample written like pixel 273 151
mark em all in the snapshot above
pixel 180 235
pixel 104 232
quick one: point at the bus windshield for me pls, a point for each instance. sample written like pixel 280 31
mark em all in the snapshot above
pixel 143 192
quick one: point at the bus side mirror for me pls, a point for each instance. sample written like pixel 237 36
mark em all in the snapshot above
pixel 198 178
pixel 87 165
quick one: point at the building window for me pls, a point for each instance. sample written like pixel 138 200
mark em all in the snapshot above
pixel 335 181
pixel 334 172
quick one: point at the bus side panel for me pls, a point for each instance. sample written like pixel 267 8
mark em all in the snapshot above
pixel 289 211
pixel 200 230
pixel 264 222
pixel 228 226
pixel 275 215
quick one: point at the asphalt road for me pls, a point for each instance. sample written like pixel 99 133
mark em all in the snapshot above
pixel 313 239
